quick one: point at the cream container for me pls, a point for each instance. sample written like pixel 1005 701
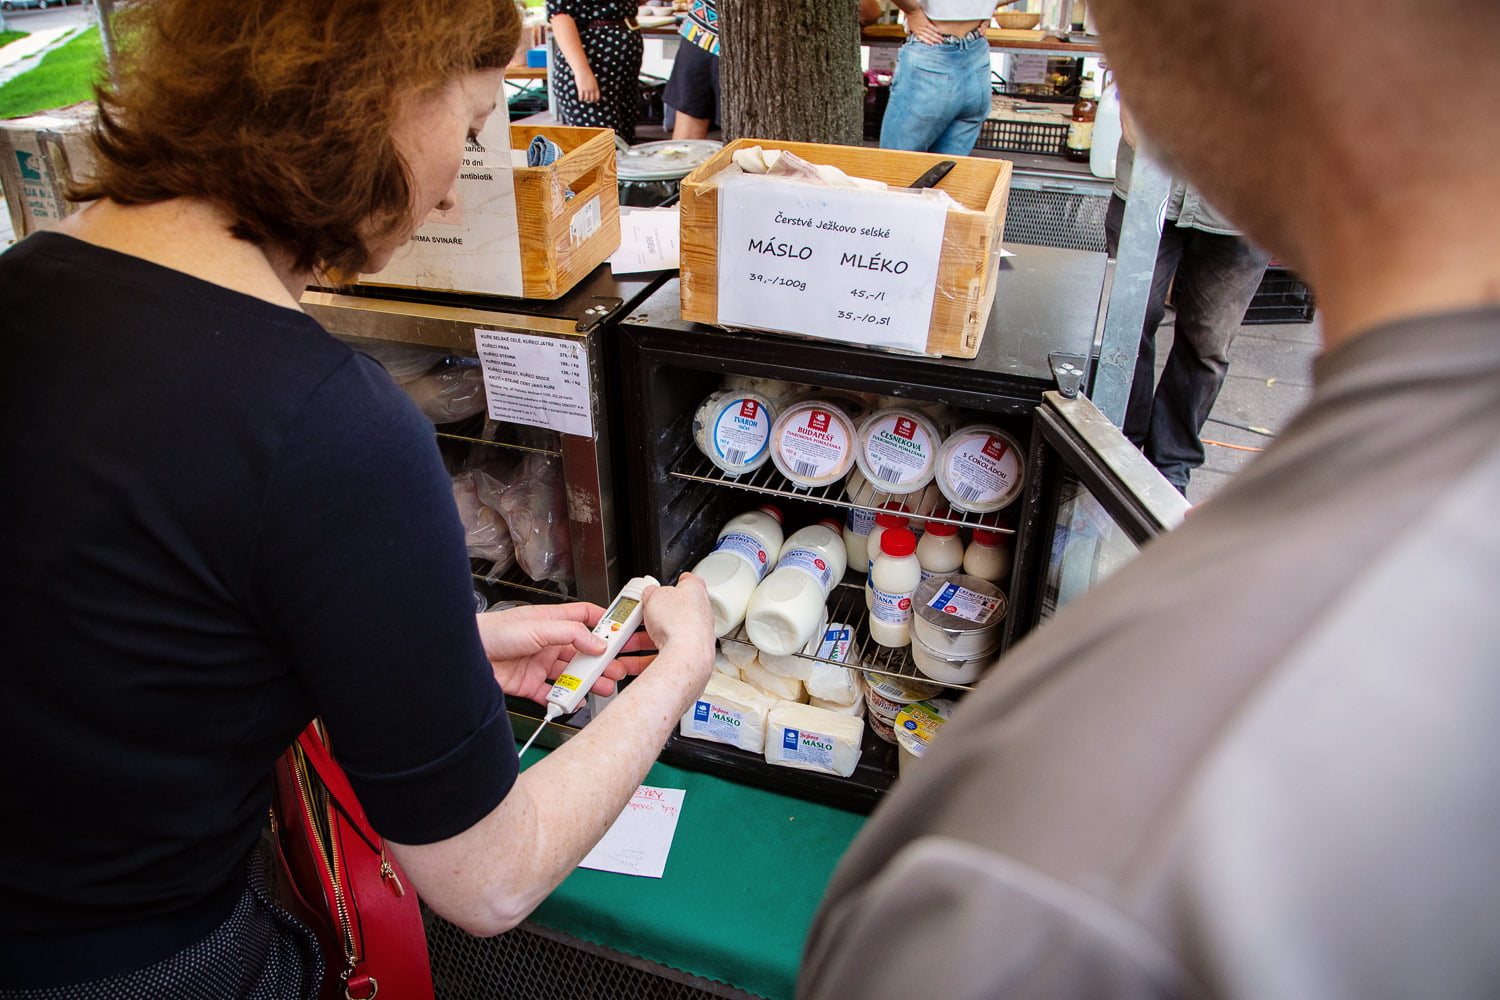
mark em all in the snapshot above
pixel 917 726
pixel 947 668
pixel 879 708
pixel 885 696
pixel 899 690
pixel 885 730
pixel 813 443
pixel 980 468
pixel 957 617
pixel 898 449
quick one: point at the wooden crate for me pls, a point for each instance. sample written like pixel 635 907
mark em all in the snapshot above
pixel 563 239
pixel 971 238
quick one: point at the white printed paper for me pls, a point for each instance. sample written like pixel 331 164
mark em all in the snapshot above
pixel 650 240
pixel 540 381
pixel 641 837
pixel 837 263
pixel 475 245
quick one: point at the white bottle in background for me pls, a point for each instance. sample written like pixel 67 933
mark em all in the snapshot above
pixel 1107 131
pixel 883 523
pixel 988 556
pixel 857 527
pixel 939 551
pixel 747 547
pixel 785 610
pixel 895 576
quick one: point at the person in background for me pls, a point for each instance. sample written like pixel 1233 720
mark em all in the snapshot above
pixel 940 93
pixel 692 91
pixel 1261 760
pixel 220 522
pixel 1212 272
pixel 596 63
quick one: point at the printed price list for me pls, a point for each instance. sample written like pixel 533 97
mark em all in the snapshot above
pixel 539 381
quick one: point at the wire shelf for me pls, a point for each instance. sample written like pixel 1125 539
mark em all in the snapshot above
pixel 512 576
pixel 768 481
pixel 846 605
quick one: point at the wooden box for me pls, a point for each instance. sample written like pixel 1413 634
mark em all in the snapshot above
pixel 564 238
pixel 970 256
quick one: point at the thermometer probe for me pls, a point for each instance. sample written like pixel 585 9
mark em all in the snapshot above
pixel 618 623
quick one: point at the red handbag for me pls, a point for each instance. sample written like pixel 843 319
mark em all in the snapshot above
pixel 338 880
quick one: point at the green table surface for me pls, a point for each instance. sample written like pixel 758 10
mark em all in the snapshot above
pixel 745 874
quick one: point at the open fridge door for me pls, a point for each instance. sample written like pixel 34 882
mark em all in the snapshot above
pixel 1098 503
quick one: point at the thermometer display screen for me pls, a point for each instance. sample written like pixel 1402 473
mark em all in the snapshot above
pixel 619 612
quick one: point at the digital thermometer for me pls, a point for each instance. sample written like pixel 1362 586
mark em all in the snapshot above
pixel 619 622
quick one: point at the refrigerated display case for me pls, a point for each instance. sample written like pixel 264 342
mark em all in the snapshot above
pixel 1040 339
pixel 446 325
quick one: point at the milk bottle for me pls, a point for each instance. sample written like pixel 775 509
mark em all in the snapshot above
pixel 785 610
pixel 894 577
pixel 747 546
pixel 939 550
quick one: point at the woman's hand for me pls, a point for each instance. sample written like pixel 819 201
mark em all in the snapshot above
pixel 681 617
pixel 588 86
pixel 919 25
pixel 529 646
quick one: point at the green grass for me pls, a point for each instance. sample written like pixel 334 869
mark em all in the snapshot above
pixel 65 76
pixel 6 37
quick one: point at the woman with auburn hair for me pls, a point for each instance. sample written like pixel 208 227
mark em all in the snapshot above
pixel 221 522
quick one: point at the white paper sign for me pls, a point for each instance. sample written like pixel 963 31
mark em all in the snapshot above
pixel 650 240
pixel 641 837
pixel 842 264
pixel 474 246
pixel 541 381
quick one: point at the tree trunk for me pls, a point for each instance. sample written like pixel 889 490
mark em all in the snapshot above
pixel 790 70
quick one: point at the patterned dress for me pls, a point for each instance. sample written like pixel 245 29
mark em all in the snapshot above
pixel 614 54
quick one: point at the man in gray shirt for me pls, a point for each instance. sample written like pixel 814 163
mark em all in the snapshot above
pixel 1263 759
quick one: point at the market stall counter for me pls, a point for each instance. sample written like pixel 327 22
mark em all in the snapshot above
pixel 746 871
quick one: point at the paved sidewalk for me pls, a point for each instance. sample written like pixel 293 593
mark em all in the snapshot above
pixel 24 53
pixel 1269 380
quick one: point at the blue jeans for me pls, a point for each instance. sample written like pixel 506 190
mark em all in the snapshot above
pixel 1215 279
pixel 940 96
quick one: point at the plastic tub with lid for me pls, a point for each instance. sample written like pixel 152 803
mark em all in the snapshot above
pixel 980 469
pixel 958 615
pixel 812 443
pixel 898 449
pixel 650 173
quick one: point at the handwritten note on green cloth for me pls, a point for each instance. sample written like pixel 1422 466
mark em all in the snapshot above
pixel 745 875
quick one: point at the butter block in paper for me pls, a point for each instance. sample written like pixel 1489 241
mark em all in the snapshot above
pixel 813 739
pixel 729 711
pixel 773 684
pixel 723 665
pixel 827 682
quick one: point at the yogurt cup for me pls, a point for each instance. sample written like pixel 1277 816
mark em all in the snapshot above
pixel 899 690
pixel 980 469
pixel 957 617
pixel 883 729
pixel 917 726
pixel 880 708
